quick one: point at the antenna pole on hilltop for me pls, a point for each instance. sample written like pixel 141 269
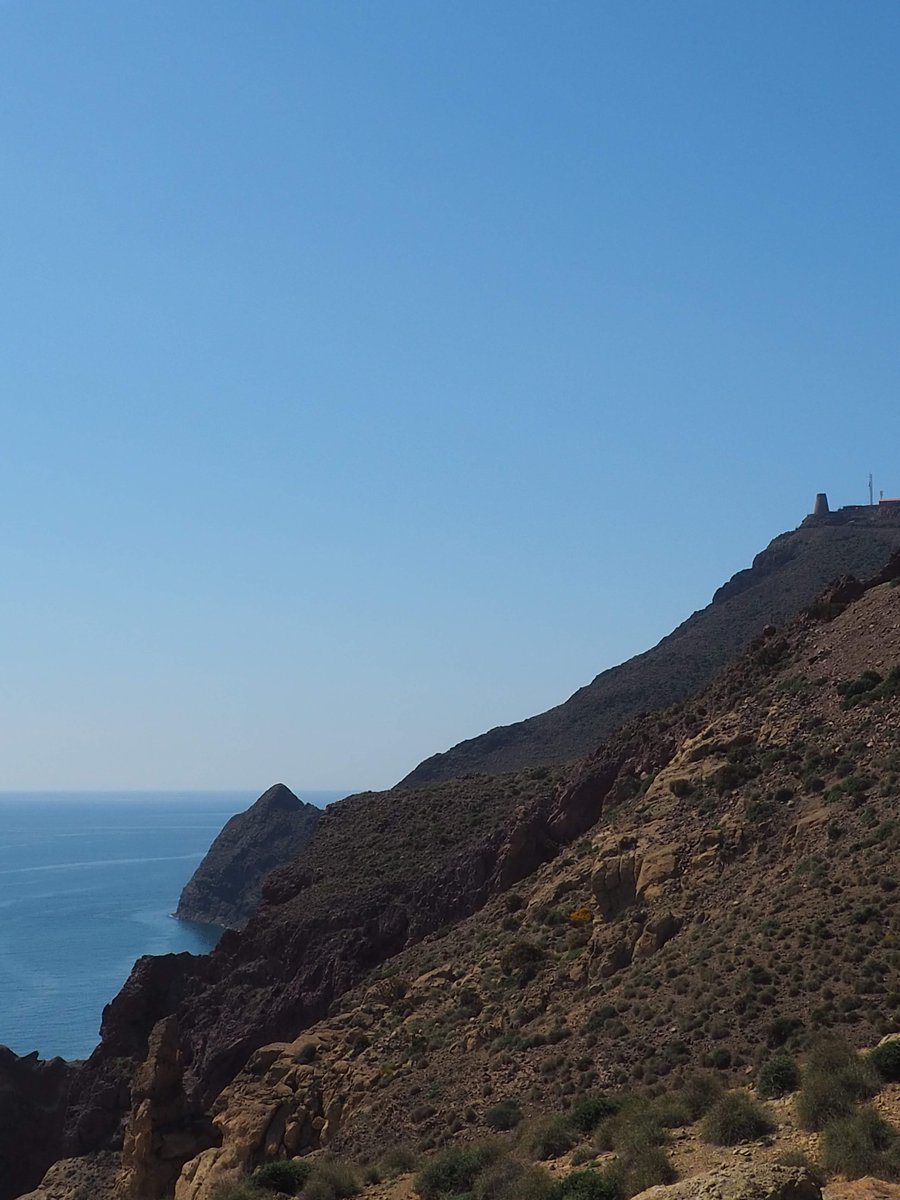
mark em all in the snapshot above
pixel 871 492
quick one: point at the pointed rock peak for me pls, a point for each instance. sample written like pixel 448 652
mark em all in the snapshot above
pixel 279 796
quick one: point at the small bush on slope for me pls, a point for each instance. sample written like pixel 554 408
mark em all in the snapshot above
pixel 397 1161
pixel 503 1116
pixel 778 1076
pixel 637 1135
pixel 700 1092
pixel 549 1138
pixel 587 1113
pixel 735 1117
pixel 332 1179
pixel 864 1144
pixel 508 1179
pixel 589 1185
pixel 284 1175
pixel 645 1167
pixel 454 1172
pixel 835 1079
pixel 241 1190
pixel 885 1058
pixel 636 1125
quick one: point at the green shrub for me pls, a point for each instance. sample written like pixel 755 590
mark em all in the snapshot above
pixel 782 1029
pixel 599 1018
pixel 504 1115
pixel 508 1179
pixel 637 1134
pixel 284 1175
pixel 855 690
pixel 671 1112
pixel 332 1179
pixel 700 1092
pixel 885 1058
pixel 861 1145
pixel 397 1161
pixel 834 1080
pixel 307 1052
pixel 453 1173
pixel 735 1117
pixel 645 1167
pixel 241 1189
pixel 778 1076
pixel 635 1126
pixel 587 1113
pixel 549 1138
pixel 589 1185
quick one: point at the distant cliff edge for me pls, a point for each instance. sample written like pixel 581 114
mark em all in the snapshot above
pixel 784 577
pixel 226 887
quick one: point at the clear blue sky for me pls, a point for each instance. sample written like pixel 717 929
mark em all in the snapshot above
pixel 376 373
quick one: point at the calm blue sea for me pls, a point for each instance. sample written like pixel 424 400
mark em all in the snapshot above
pixel 87 885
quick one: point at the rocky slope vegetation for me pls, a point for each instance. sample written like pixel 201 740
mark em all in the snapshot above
pixel 716 882
pixel 784 578
pixel 227 885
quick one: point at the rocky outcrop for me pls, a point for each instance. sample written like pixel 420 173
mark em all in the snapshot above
pixel 33 1097
pixel 756 1181
pixel 94 1177
pixel 162 1133
pixel 283 1103
pixel 226 887
pixel 784 578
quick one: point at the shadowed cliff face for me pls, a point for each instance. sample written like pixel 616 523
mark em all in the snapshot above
pixel 784 578
pixel 33 1096
pixel 226 887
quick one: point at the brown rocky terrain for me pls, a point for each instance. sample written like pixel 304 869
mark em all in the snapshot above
pixel 226 887
pixel 719 880
pixel 784 578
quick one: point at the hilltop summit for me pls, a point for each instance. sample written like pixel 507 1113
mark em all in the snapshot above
pixel 783 579
pixel 225 888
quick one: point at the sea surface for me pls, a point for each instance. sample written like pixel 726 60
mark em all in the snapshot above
pixel 87 885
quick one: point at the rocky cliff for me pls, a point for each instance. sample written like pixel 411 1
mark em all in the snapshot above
pixel 714 878
pixel 784 578
pixel 226 887
pixel 33 1098
pixel 736 894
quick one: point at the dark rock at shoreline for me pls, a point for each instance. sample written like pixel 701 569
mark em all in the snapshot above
pixel 226 887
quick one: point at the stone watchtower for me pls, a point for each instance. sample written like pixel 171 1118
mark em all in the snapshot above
pixel 820 508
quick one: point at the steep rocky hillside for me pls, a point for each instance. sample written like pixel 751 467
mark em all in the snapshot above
pixel 384 869
pixel 227 885
pixel 718 880
pixel 739 893
pixel 784 578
